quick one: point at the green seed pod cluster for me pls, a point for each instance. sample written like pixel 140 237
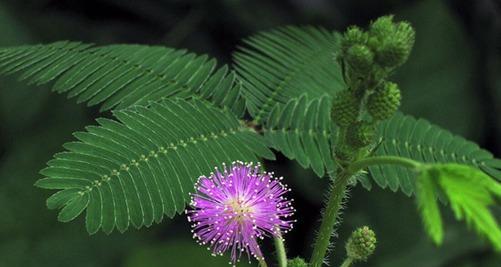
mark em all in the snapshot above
pixel 384 102
pixel 360 135
pixel 361 244
pixel 345 108
pixel 391 42
pixel 297 262
pixel 387 43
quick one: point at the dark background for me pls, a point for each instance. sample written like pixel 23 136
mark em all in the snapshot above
pixel 453 78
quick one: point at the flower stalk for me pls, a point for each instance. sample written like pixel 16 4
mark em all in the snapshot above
pixel 281 253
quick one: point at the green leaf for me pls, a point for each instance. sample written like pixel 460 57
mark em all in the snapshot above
pixel 284 63
pixel 73 207
pixel 405 136
pixel 428 206
pixel 143 166
pixel 119 76
pixel 302 130
pixel 59 199
pixel 61 183
pixel 470 193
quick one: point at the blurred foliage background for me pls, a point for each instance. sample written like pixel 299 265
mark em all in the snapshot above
pixel 453 78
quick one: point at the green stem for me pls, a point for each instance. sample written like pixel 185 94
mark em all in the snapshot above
pixel 347 262
pixel 379 160
pixel 281 254
pixel 262 263
pixel 329 218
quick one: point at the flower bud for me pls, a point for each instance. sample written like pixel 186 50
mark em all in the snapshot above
pixel 360 59
pixel 391 42
pixel 353 36
pixel 345 108
pixel 384 102
pixel 297 262
pixel 382 27
pixel 360 135
pixel 395 51
pixel 361 244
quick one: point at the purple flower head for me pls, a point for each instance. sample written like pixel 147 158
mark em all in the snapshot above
pixel 232 209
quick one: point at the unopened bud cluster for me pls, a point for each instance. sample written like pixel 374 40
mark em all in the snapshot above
pixel 361 244
pixel 367 58
pixel 385 46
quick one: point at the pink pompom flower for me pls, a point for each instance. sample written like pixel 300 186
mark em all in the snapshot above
pixel 231 210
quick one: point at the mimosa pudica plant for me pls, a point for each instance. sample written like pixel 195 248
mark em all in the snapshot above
pixel 183 126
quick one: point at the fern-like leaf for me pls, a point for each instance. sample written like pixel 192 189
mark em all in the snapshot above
pixel 143 167
pixel 302 130
pixel 283 64
pixel 119 76
pixel 420 140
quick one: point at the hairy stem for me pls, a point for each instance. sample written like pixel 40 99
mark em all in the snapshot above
pixel 336 197
pixel 281 254
pixel 379 160
pixel 329 218
pixel 347 262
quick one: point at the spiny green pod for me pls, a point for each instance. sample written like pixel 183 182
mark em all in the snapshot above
pixel 384 102
pixel 361 244
pixel 360 59
pixel 360 135
pixel 353 36
pixel 297 262
pixel 345 108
